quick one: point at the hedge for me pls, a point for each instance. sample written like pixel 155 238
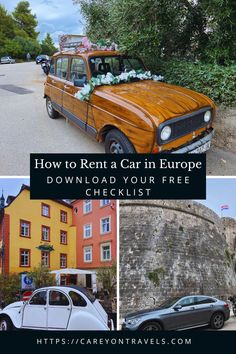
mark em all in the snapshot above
pixel 217 82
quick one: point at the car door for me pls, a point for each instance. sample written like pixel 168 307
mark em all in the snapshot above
pixel 35 311
pixel 183 316
pixel 203 309
pixel 59 310
pixel 56 81
pixel 73 108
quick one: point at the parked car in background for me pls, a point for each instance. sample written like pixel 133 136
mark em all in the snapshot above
pixel 7 60
pixel 180 313
pixel 56 308
pixel 41 58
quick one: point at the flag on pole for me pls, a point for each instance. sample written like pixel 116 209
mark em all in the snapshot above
pixel 224 207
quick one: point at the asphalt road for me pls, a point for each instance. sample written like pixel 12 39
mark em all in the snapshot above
pixel 25 126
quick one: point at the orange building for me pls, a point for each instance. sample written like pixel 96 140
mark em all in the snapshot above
pixel 95 222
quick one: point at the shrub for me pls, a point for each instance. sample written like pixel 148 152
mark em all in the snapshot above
pixel 217 82
pixel 42 276
pixel 9 287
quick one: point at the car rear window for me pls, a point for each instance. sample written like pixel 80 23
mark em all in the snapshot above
pixel 77 299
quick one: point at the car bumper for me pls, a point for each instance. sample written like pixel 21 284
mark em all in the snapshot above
pixel 198 146
pixel 227 315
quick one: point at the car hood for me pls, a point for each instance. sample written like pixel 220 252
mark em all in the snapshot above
pixel 16 304
pixel 145 312
pixel 159 100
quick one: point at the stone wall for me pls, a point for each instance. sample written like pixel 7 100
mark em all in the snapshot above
pixel 170 248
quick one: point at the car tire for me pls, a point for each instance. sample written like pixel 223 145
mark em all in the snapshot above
pixel 6 324
pixel 117 143
pixel 217 320
pixel 234 310
pixel 53 114
pixel 151 326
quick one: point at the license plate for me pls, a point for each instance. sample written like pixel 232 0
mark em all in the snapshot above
pixel 201 149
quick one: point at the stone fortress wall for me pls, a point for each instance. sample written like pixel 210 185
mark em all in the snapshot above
pixel 172 248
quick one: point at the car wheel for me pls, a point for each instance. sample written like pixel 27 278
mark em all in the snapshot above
pixel 151 326
pixel 51 111
pixel 117 143
pixel 234 311
pixel 217 320
pixel 6 324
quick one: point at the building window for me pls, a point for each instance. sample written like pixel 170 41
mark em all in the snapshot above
pixel 63 217
pixel 88 231
pixel 46 210
pixel 24 258
pixel 106 252
pixel 24 228
pixel 87 207
pixel 45 259
pixel 45 233
pixel 63 237
pixel 88 254
pixel 104 202
pixel 63 260
pixel 106 225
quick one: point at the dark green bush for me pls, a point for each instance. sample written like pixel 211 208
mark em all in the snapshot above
pixel 217 82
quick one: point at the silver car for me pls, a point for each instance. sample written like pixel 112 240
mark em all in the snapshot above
pixel 180 313
pixel 7 60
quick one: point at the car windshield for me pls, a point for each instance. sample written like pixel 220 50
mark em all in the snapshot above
pixel 169 303
pixel 116 65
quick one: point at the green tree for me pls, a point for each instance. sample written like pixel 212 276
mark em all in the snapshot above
pixel 25 20
pixel 9 287
pixel 48 46
pixel 42 277
pixel 221 24
pixel 165 29
pixel 107 276
pixel 7 25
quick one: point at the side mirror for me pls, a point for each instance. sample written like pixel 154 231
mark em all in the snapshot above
pixel 80 82
pixel 177 307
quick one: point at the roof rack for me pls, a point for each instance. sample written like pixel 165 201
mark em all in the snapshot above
pixel 80 43
pixel 71 41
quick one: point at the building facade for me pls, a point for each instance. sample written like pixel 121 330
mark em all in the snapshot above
pixel 34 232
pixel 58 234
pixel 95 222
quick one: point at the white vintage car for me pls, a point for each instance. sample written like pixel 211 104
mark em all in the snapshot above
pixel 64 308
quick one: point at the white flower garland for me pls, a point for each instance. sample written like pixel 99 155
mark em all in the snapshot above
pixel 110 79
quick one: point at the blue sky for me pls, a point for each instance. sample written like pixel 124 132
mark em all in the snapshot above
pixel 11 186
pixel 54 16
pixel 219 191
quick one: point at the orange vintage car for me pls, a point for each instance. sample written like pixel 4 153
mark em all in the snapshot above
pixel 139 116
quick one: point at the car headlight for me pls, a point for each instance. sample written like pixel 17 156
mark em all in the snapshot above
pixel 207 116
pixel 133 321
pixel 166 133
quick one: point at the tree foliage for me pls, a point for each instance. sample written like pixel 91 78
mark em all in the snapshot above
pixel 47 45
pixel 9 287
pixel 107 276
pixel 42 277
pixel 165 29
pixel 18 34
pixel 25 20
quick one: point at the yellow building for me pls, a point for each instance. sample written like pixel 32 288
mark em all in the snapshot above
pixel 34 232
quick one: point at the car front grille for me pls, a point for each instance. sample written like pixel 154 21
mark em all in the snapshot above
pixel 184 125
